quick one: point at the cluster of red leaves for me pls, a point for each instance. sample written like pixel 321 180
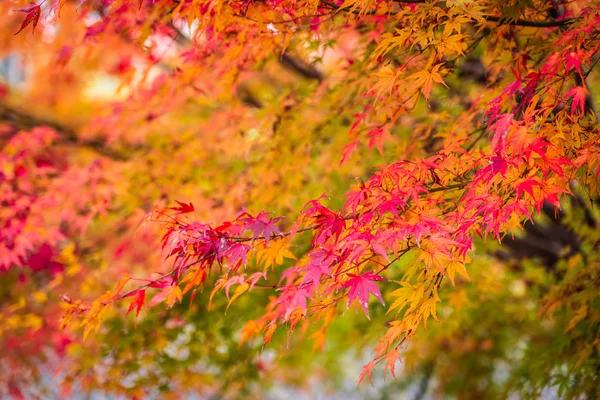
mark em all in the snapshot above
pixel 39 216
pixel 38 212
pixel 433 206
pixel 398 209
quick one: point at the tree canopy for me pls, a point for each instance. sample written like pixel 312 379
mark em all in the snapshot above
pixel 245 197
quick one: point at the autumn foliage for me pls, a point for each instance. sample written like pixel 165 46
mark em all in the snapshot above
pixel 416 181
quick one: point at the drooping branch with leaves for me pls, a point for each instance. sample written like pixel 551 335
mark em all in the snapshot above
pixel 461 122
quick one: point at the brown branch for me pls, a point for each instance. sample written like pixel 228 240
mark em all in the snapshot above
pixel 152 282
pixel 490 18
pixel 67 134
pixel 25 121
pixel 477 139
pixel 281 235
pixel 287 60
pixel 274 236
pixel 300 66
pixel 449 187
pixel 531 24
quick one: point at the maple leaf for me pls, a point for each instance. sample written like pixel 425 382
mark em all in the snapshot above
pixel 319 265
pixel 407 295
pixel 293 298
pixel 501 126
pixel 366 372
pixel 121 285
pixel 183 208
pixel 361 286
pixel 391 358
pixel 237 293
pixel 392 206
pixel 262 226
pixel 159 297
pixel 425 79
pixel 456 266
pixel 498 165
pixel 330 223
pixel 255 277
pixel 138 302
pixel 573 61
pixel 356 197
pixel 174 295
pixel 237 254
pixel 348 150
pixel 579 94
pixel 429 308
pixel 57 6
pixel 377 136
pixel 269 331
pixel 527 186
pixel 33 16
pixel 274 254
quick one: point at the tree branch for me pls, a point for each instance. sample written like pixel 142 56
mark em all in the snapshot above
pixel 300 66
pixel 25 121
pixel 287 60
pixel 531 24
pixel 490 18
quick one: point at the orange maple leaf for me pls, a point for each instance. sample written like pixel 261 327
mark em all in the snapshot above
pixel 424 80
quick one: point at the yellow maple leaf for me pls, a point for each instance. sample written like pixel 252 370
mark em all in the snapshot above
pixel 456 266
pixel 429 308
pixel 237 293
pixel 174 295
pixel 407 295
pixel 424 80
pixel 274 254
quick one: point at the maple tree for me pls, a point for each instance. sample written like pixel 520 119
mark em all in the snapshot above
pixel 233 131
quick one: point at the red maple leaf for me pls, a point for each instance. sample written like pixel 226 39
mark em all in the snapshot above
pixel 377 137
pixel 362 286
pixel 392 206
pixel 183 208
pixel 237 254
pixel 573 61
pixel 579 94
pixel 501 127
pixel 527 186
pixel 348 150
pixel 293 298
pixel 262 226
pixel 331 223
pixel 33 15
pixel 138 302
pixel 319 265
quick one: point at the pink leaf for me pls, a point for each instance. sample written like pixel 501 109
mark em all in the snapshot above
pixel 527 186
pixel 579 94
pixel 262 226
pixel 348 150
pixel 361 286
pixel 33 15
